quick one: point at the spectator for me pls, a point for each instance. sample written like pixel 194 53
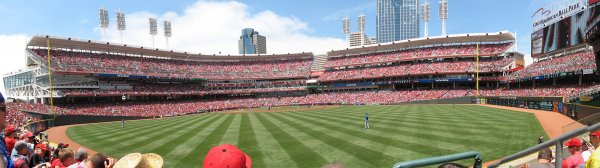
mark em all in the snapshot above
pixel 38 156
pixel 451 165
pixel 5 160
pixel 80 155
pixel 544 158
pixel 226 155
pixel 99 160
pixel 541 139
pixel 20 151
pixel 30 139
pixel 9 137
pixel 585 147
pixel 65 158
pixel 576 158
pixel 594 160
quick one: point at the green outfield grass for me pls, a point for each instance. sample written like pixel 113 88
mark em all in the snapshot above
pixel 313 138
pixel 276 108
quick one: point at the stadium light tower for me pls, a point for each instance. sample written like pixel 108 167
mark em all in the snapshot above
pixel 443 14
pixel 120 23
pixel 167 28
pixel 361 28
pixel 103 21
pixel 153 28
pixel 347 30
pixel 425 16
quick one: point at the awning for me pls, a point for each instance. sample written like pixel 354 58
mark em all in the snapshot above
pixel 316 73
pixel 515 69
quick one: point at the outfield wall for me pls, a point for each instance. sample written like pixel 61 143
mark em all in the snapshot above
pixel 85 119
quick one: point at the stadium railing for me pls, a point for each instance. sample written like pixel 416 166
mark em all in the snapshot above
pixel 442 159
pixel 558 141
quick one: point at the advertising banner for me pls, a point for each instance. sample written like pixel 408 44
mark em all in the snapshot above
pixel 546 105
pixel 588 71
pixel 555 108
pixel 585 98
pixel 482 101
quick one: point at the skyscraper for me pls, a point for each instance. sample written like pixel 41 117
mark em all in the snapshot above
pixel 397 20
pixel 251 42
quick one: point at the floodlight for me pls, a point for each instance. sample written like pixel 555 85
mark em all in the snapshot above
pixel 153 29
pixel 361 28
pixel 443 14
pixel 167 28
pixel 346 22
pixel 425 16
pixel 103 21
pixel 120 23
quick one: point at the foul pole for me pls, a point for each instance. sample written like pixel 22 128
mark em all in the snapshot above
pixel 50 79
pixel 476 96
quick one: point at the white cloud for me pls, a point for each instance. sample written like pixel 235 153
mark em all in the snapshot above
pixel 340 14
pixel 209 27
pixel 12 54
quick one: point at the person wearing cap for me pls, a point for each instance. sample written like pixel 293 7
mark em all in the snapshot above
pixel 5 160
pixel 30 139
pixel 20 151
pixel 226 155
pixel 366 121
pixel 9 138
pixel 594 160
pixel 38 156
pixel 576 159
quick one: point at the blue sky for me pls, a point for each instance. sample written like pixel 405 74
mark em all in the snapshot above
pixel 214 26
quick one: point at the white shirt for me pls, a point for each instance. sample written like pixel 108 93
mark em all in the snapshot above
pixel 586 154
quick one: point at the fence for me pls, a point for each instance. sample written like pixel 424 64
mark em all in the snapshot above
pixel 584 115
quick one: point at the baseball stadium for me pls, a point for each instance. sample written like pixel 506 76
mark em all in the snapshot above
pixel 457 100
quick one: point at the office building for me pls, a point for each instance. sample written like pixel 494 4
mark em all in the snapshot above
pixel 251 42
pixel 397 20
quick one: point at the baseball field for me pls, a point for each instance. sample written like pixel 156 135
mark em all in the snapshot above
pixel 313 138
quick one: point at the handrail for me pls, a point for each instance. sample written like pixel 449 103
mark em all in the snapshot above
pixel 442 159
pixel 558 141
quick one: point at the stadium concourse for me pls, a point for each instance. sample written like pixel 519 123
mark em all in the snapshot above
pixel 96 78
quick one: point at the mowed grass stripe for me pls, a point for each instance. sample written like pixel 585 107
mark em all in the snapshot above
pixel 135 123
pixel 135 134
pixel 368 155
pixel 145 144
pixel 110 128
pixel 300 153
pixel 417 127
pixel 274 155
pixel 408 145
pixel 325 150
pixel 247 142
pixel 231 135
pixel 196 155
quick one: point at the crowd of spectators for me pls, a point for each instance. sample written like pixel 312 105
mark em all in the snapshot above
pixel 128 65
pixel 566 63
pixel 488 65
pixel 437 51
pixel 175 89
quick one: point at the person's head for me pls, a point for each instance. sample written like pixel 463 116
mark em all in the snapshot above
pixel 29 137
pixel 65 156
pixel 226 155
pixel 9 132
pixel 366 114
pixel 595 138
pixel 21 147
pixel 97 161
pixel 451 165
pixel 81 154
pixel 584 145
pixel 574 145
pixel 545 154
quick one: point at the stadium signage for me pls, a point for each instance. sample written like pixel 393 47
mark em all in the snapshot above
pixel 539 77
pixel 546 16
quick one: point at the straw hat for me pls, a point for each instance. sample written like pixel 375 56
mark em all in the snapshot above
pixel 154 160
pixel 134 160
pixel 137 160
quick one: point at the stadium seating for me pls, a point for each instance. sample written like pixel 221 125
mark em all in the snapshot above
pixel 128 65
pixel 566 63
pixel 438 51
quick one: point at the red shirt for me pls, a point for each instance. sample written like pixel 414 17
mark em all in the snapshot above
pixel 55 163
pixel 574 161
pixel 10 144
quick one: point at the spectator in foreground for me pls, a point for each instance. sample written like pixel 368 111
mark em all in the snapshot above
pixel 576 158
pixel 80 155
pixel 9 137
pixel 585 147
pixel 38 156
pixel 21 164
pixel 226 155
pixel 544 158
pixel 99 160
pixel 20 151
pixel 5 159
pixel 594 160
pixel 451 165
pixel 65 158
